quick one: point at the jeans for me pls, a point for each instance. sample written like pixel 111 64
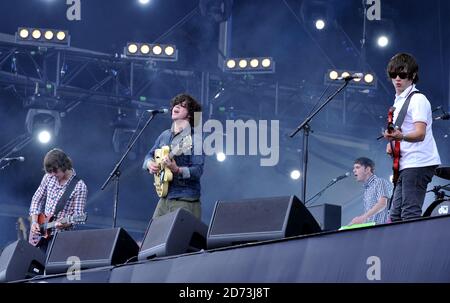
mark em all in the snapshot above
pixel 410 192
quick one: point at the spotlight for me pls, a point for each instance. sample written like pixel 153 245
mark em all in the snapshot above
pixel 49 35
pixel 221 157
pixel 144 2
pixel 42 36
pixel 157 50
pixel 249 65
pixel 333 75
pixel 383 41
pixel 151 51
pixel 242 63
pixel 254 63
pixel 368 78
pixel 145 49
pixel 44 136
pixel 43 123
pixel 320 24
pixel 231 63
pixel 295 174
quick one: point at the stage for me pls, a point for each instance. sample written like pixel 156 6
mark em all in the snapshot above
pixel 417 251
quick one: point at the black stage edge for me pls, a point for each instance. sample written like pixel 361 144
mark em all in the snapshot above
pixel 416 251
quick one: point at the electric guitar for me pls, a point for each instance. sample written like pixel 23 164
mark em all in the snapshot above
pixel 165 175
pixel 395 147
pixel 47 226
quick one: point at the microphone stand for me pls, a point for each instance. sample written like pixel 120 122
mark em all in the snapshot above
pixel 321 192
pixel 115 173
pixel 306 130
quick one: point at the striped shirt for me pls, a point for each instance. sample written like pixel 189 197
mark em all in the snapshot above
pixel 50 192
pixel 374 189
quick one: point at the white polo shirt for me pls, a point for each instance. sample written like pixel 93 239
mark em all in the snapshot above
pixel 416 154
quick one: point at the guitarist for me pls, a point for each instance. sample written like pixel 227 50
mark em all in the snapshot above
pixel 187 168
pixel 419 156
pixel 58 177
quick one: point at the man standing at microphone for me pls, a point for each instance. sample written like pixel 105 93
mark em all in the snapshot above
pixel 187 168
pixel 376 192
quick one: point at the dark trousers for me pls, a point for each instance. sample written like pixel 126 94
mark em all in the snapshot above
pixel 410 191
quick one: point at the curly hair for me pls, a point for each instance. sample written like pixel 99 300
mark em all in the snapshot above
pixel 55 159
pixel 404 62
pixel 191 104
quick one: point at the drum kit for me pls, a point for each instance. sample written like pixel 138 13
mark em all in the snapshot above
pixel 441 203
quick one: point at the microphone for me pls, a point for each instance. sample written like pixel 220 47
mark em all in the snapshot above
pixel 20 159
pixel 158 111
pixel 351 77
pixel 341 177
pixel 444 116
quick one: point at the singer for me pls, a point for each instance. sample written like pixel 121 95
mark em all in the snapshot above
pixel 187 168
pixel 419 155
pixel 376 192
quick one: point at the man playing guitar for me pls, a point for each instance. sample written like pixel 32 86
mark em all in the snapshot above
pixel 187 168
pixel 419 156
pixel 59 175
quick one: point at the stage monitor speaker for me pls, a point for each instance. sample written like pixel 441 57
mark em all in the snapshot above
pixel 175 233
pixel 437 208
pixel 94 248
pixel 327 215
pixel 21 260
pixel 251 220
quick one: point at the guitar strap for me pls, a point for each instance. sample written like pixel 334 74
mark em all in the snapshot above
pixel 65 197
pixel 404 110
pixel 398 123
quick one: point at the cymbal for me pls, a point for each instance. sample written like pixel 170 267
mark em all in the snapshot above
pixel 443 172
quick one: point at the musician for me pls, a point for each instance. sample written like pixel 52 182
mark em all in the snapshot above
pixel 376 192
pixel 419 156
pixel 187 168
pixel 59 174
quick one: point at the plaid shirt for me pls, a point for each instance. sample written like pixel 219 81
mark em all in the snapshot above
pixel 50 192
pixel 374 189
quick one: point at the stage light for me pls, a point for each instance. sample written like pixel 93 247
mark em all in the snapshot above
pixel 60 35
pixel 144 2
pixel 151 51
pixel 44 136
pixel 43 123
pixel 221 157
pixel 383 41
pixel 36 34
pixel 132 48
pixel 368 78
pixel 249 65
pixel 145 49
pixel 24 33
pixel 266 62
pixel 169 50
pixel 254 63
pixel 367 81
pixel 320 24
pixel 333 75
pixel 295 174
pixel 243 63
pixel 231 63
pixel 48 37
